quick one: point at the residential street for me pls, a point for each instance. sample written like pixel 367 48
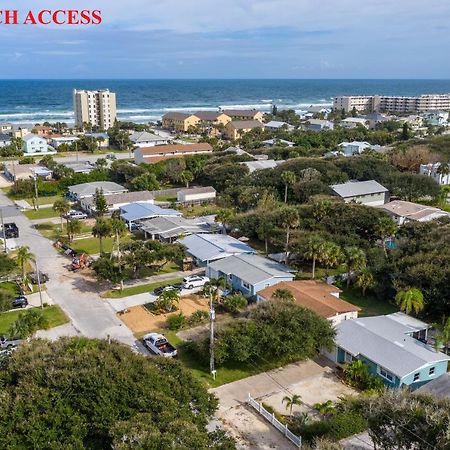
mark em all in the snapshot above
pixel 90 315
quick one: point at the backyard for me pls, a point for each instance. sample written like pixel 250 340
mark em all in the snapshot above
pixel 53 314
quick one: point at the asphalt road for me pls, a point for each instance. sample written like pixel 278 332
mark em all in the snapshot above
pixel 89 313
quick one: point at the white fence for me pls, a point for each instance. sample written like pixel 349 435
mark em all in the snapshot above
pixel 270 417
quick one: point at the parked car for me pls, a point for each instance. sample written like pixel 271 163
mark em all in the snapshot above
pixel 43 277
pixel 111 156
pixel 159 345
pixel 20 302
pixel 75 214
pixel 194 281
pixel 6 343
pixel 158 291
pixel 10 230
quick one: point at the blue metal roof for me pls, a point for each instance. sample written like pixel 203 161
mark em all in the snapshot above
pixel 141 211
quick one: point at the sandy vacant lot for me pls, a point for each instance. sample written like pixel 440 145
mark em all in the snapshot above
pixel 314 381
pixel 140 320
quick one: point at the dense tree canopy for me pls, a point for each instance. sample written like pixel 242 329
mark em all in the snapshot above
pixel 78 393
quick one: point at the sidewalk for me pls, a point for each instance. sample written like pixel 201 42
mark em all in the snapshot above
pixel 164 277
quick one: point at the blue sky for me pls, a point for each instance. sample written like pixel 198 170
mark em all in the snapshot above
pixel 234 39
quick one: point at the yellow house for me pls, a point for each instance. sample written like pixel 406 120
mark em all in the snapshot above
pixel 244 114
pixel 235 129
pixel 180 122
pixel 211 118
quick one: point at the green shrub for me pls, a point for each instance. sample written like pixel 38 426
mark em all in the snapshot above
pixel 234 303
pixel 176 322
pixel 346 424
pixel 197 318
pixel 314 430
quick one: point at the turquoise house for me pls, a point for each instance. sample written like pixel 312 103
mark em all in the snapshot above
pixel 394 348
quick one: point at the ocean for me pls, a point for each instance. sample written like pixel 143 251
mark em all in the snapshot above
pixel 36 101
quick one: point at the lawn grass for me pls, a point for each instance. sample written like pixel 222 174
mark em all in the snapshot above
pixel 54 314
pixel 91 245
pixel 53 230
pixel 42 200
pixel 41 213
pixel 199 210
pixel 140 289
pixel 10 287
pixel 370 305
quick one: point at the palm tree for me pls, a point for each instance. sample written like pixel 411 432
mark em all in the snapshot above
pixel 385 228
pixel 224 216
pixel 265 230
pixel 331 254
pixel 354 258
pixel 442 338
pixel 167 300
pixel 62 207
pixel 314 250
pixel 74 226
pixel 186 177
pixel 119 229
pixel 291 401
pixel 213 287
pixel 24 256
pixel 288 178
pixel 364 281
pixel 410 300
pixel 356 371
pixel 289 219
pixel 101 230
pixel 325 408
pixel 283 294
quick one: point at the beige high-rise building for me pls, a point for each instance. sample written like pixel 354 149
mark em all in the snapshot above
pixel 97 108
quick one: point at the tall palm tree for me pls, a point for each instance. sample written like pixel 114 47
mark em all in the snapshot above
pixel 213 287
pixel 265 230
pixel 364 281
pixel 62 207
pixel 410 300
pixel 289 178
pixel 224 216
pixel 74 227
pixel 354 258
pixel 23 257
pixel 289 220
pixel 314 250
pixel 167 301
pixel 186 177
pixel 291 401
pixel 331 254
pixel 385 228
pixel 119 229
pixel 101 230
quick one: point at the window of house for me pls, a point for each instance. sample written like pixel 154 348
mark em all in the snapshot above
pixel 431 371
pixel 386 374
pixel 246 285
pixel 416 376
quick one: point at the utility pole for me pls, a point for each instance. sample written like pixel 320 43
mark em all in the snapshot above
pixel 36 206
pixel 38 275
pixel 212 316
pixel 76 150
pixel 3 231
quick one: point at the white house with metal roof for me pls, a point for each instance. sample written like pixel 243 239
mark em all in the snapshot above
pixel 206 248
pixel 370 193
pixel 392 346
pixel 249 273
pixel 79 191
pixel 195 195
pixel 146 139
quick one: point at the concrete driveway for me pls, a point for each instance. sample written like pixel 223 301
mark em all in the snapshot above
pixel 89 314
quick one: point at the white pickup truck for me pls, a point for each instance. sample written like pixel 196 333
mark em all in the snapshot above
pixel 6 343
pixel 159 345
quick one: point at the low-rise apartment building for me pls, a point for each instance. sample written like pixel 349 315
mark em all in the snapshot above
pixel 179 122
pixel 244 114
pixel 237 128
pixel 157 153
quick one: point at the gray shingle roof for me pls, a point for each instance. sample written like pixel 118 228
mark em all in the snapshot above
pixel 208 247
pixel 142 211
pixel 170 227
pixel 246 124
pixel 356 188
pixel 386 341
pixel 145 136
pixel 252 269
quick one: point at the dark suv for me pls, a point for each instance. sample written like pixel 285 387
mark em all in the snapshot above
pixel 20 302
pixel 10 230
